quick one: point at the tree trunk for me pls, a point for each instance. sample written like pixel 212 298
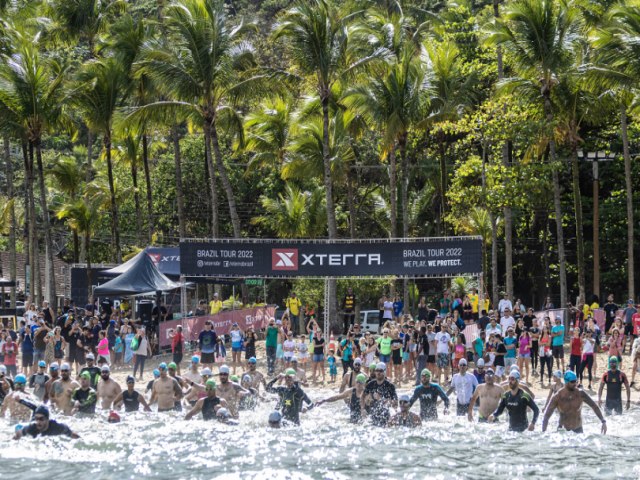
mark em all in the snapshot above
pixel 31 245
pixel 147 178
pixel 213 188
pixel 562 260
pixel 12 218
pixel 49 269
pixel 443 188
pixel 226 183
pixel 404 193
pixel 628 182
pixel 393 193
pixel 577 206
pixel 89 173
pixel 115 227
pixel 76 246
pixel 87 242
pixel 136 200
pixel 177 160
pixel 494 260
pixel 351 205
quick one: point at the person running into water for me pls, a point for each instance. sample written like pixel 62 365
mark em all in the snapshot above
pixel 352 396
pixel 405 418
pixel 464 384
pixel 516 401
pixel 13 401
pixel 379 395
pixel 291 396
pixel 208 405
pixel 488 395
pixel 43 426
pixel 569 401
pixel 131 398
pixel 428 393
pixel 614 379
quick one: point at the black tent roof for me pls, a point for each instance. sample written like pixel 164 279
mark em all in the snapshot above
pixel 141 277
pixel 5 282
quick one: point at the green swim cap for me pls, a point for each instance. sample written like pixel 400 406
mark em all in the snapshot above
pixel 361 378
pixel 372 366
pixel 426 372
pixel 290 372
pixel 211 383
pixel 85 375
pixel 173 366
pixel 234 378
pixel 613 360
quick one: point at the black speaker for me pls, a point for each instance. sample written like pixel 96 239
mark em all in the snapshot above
pixel 145 307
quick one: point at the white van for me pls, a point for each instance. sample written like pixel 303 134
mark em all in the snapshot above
pixel 370 321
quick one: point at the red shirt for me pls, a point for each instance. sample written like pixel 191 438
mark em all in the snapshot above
pixel 10 351
pixel 635 321
pixel 177 340
pixel 576 346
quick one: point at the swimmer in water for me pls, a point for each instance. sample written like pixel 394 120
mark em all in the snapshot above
pixel 291 396
pixel 379 395
pixel 165 390
pixel 62 389
pixel 232 392
pixel 108 389
pixel 488 395
pixel 614 379
pixel 569 401
pixel 54 372
pixel 131 398
pixel 555 388
pixel 352 395
pixel 516 401
pixel 275 419
pixel 84 398
pixel 208 405
pixel 428 393
pixel 405 418
pixel 257 378
pixel 17 411
pixel 42 426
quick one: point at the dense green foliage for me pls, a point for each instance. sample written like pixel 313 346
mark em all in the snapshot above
pixel 138 122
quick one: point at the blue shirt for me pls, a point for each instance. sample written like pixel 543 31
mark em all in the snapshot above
pixel 398 307
pixel 559 340
pixel 207 340
pixel 27 343
pixel 507 342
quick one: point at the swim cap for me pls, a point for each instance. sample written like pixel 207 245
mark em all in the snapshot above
pixel 41 410
pixel 85 375
pixel 462 362
pixel 246 378
pixel 105 368
pixel 162 366
pixel 557 374
pixel 18 427
pixel 211 383
pixel 224 369
pixel 20 379
pixel 114 417
pixel 514 367
pixel 294 359
pixel 372 366
pixel 206 372
pixel 131 379
pixel 253 360
pixel 404 398
pixel 381 366
pixel 290 372
pixel 54 366
pixel 195 359
pixel 514 374
pixel 172 366
pixel 3 369
pixel 65 366
pixel 613 360
pixel 223 413
pixel 425 373
pixel 362 378
pixel 156 373
pixel 89 356
pixel 275 417
pixel 570 376
pixel 234 378
pixel 357 361
pixel 480 363
pixel 42 364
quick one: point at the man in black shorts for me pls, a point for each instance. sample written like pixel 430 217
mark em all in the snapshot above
pixel 614 379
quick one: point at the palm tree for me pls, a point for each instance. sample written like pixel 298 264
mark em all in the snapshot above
pixel 539 37
pixel 101 86
pixel 618 66
pixel 128 152
pixel 267 132
pixel 203 68
pixel 31 90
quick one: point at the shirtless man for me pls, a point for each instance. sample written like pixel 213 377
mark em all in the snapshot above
pixel 555 387
pixel 17 411
pixel 165 390
pixel 208 405
pixel 54 374
pixel 62 390
pixel 505 385
pixel 230 391
pixel 256 377
pixel 568 401
pixel 197 390
pixel 405 418
pixel 488 394
pixel 108 389
pixel 193 374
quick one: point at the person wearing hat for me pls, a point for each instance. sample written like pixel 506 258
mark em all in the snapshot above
pixel 614 378
pixel 17 411
pixel 256 377
pixel 54 374
pixel 84 398
pixel 488 395
pixel 379 395
pixel 190 377
pixel 38 380
pixel 348 380
pixel 108 389
pixel 555 387
pixel 464 384
pixel 215 305
pixel 352 396
pixel 301 374
pixel 43 426
pixel 428 393
pixel 208 405
pixel 230 391
pixel 130 398
pixel 516 401
pixel 291 396
pixel 156 375
pixel 62 389
pixel 92 369
pixel 275 419
pixel 569 402
pixel 224 416
pixel 405 418
pixel 173 373
pixel 248 402
pixel 165 390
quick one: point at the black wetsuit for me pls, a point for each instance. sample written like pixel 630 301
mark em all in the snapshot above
pixel 131 401
pixel 95 375
pixel 54 429
pixel 355 415
pixel 291 399
pixel 428 397
pixel 517 406
pixel 87 399
pixel 378 409
pixel 614 381
pixel 208 407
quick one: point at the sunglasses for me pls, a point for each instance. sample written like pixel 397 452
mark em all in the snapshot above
pixel 224 374
pixel 379 371
pixel 39 418
pixel 64 370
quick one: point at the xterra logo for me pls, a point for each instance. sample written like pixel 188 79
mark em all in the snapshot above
pixel 284 259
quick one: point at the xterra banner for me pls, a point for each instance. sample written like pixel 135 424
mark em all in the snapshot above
pixel 421 257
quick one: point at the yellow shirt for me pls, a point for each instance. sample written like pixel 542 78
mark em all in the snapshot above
pixel 475 299
pixel 294 304
pixel 487 303
pixel 215 306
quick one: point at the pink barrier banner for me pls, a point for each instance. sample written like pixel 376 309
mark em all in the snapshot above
pixel 256 317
